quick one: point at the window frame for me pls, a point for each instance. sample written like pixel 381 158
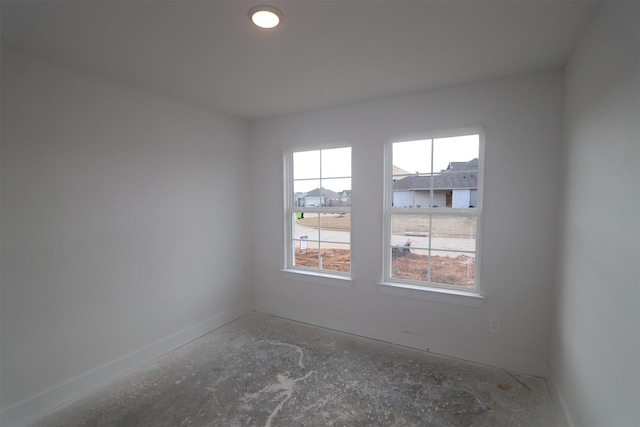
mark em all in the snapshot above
pixel 407 287
pixel 290 209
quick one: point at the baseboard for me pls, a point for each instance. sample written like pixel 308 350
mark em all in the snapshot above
pixel 484 355
pixel 562 412
pixel 43 402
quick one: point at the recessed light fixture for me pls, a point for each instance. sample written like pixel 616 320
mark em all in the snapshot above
pixel 265 16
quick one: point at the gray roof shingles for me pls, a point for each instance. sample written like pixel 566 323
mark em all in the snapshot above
pixel 325 193
pixel 459 175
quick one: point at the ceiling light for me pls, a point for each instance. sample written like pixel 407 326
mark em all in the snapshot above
pixel 265 16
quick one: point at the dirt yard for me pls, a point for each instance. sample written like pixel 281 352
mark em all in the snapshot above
pixel 447 270
pixel 330 221
pixel 452 271
pixel 443 226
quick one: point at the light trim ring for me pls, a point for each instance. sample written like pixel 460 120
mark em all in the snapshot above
pixel 265 16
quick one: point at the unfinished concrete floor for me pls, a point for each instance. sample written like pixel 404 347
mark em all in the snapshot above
pixel 265 371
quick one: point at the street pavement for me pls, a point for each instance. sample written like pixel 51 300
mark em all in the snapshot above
pixel 450 246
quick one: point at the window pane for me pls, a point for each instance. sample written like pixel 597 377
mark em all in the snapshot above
pixel 434 248
pixel 336 162
pixel 448 231
pixel 453 246
pixel 306 193
pixel 410 227
pixel 408 265
pixel 438 269
pixel 457 232
pixel 336 257
pixel 335 228
pixel 305 186
pixel 306 224
pixel 306 164
pixel 453 270
pixel 410 243
pixel 412 157
pixel 412 191
pixel 455 149
pixel 337 192
pixel 306 254
pixel 455 163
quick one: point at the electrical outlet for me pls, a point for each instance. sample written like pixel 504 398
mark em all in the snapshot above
pixel 494 324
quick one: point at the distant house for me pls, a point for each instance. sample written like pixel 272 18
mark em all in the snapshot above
pixel 323 197
pixel 345 198
pixel 454 187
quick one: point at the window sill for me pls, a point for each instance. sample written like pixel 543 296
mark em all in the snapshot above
pixel 449 296
pixel 333 280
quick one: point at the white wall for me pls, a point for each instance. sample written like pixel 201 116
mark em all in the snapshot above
pixel 522 116
pixel 124 229
pixel 595 357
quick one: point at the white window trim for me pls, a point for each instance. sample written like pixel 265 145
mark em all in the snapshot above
pixel 316 276
pixel 449 296
pixel 431 291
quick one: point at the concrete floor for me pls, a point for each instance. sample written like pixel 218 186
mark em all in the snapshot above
pixel 265 371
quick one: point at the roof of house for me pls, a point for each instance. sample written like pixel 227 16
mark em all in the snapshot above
pixel 470 165
pixel 458 175
pixel 399 171
pixel 325 193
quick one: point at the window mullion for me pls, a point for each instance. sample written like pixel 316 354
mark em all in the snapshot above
pixel 429 250
pixel 290 253
pixel 322 205
pixel 320 237
pixel 431 177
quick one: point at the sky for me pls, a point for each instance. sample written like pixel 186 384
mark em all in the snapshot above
pixel 415 156
pixel 336 162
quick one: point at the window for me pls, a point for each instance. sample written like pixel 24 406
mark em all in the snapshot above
pixel 318 210
pixel 433 203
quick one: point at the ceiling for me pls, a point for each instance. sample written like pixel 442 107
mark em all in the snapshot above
pixel 324 53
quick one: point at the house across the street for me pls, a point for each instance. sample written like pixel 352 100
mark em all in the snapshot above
pixel 454 187
pixel 323 197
